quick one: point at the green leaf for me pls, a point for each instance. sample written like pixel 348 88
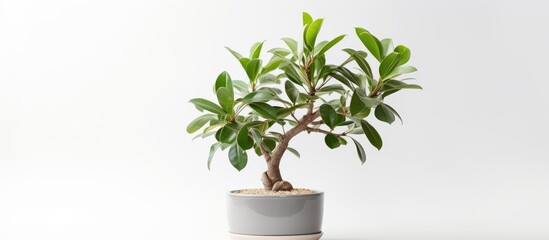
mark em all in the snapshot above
pixel 226 134
pixel 244 140
pixel 226 99
pixel 386 44
pixel 357 107
pixel 253 68
pixel 242 87
pixel 272 65
pixel 268 144
pixel 292 75
pixel 256 135
pixel 238 157
pixel 255 51
pixel 265 110
pixel 393 111
pixel 208 106
pixel 330 117
pixel 332 141
pixel 307 19
pixel 292 44
pixel 237 55
pixel 332 88
pixel 312 32
pixel 372 43
pixel 222 80
pixel 383 113
pixel 371 134
pixel 360 59
pixel 295 152
pixel 257 96
pixel 213 149
pixel 341 79
pixel 397 85
pixel 348 75
pixel 388 64
pixel 329 45
pixel 404 54
pixel 199 122
pixel 360 151
pixel 280 53
pixel 400 70
pixel 291 91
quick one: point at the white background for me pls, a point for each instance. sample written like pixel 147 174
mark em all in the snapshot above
pixel 93 110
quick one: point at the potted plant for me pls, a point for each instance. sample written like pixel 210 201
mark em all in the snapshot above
pixel 297 91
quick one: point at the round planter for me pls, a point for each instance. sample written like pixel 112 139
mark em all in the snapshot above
pixel 275 215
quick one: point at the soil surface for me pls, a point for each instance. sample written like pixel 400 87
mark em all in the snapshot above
pixel 260 191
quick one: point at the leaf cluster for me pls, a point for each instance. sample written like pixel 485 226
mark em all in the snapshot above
pixel 251 114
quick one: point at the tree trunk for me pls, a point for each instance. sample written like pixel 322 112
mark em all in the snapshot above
pixel 272 179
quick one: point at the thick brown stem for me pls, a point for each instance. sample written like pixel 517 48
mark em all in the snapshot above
pixel 272 179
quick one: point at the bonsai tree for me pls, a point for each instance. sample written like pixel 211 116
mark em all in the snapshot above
pixel 298 91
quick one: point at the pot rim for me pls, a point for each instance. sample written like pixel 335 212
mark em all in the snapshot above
pixel 233 193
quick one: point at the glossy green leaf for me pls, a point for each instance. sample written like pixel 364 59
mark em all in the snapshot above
pixel 255 51
pixel 222 80
pixel 291 91
pixel 404 54
pixel 357 107
pixel 332 141
pixel 372 44
pixel 388 64
pixel 292 45
pixel 400 70
pixel 213 149
pixel 312 32
pixel 397 85
pixel 208 106
pixel 253 68
pixel 272 65
pixel 238 157
pixel 360 59
pixel 384 114
pixel 368 101
pixel 387 46
pixel 372 134
pixel 265 110
pixel 330 117
pixel 244 139
pixel 307 19
pixel 280 52
pixel 293 75
pixel 341 79
pixel 242 87
pixel 257 96
pixel 237 55
pixel 332 88
pixel 199 122
pixel 295 152
pixel 269 144
pixel 329 45
pixel 225 98
pixel 360 151
pixel 352 77
pixel 226 134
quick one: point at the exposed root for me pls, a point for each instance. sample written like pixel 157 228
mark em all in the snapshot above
pixel 282 186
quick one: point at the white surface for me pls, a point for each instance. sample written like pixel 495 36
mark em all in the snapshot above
pixel 93 110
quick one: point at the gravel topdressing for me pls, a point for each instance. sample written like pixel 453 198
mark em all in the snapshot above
pixel 260 191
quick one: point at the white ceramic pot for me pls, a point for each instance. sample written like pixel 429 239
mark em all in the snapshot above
pixel 275 216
